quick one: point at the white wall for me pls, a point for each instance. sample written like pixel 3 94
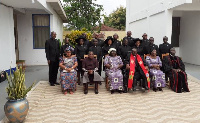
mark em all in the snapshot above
pixel 189 37
pixel 152 16
pixel 7 40
pixel 25 33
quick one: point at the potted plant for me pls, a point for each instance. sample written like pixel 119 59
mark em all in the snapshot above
pixel 17 106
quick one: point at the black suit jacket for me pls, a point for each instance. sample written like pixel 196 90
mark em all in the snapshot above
pixel 164 48
pixel 97 51
pixel 52 49
pixel 148 48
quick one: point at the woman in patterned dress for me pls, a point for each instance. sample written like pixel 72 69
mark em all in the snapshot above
pixel 68 74
pixel 158 77
pixel 113 64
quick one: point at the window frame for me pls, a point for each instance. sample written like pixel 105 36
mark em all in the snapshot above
pixel 39 26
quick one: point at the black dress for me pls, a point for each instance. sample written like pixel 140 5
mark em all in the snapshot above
pixel 80 51
pixel 106 48
pixel 178 80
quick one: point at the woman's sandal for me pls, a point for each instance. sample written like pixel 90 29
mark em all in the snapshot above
pixel 71 92
pixel 65 93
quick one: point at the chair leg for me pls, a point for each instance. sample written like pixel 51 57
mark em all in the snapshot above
pixel 86 88
pixel 96 88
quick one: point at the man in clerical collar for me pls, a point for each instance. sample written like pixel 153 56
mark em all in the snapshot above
pixel 131 42
pixel 165 47
pixel 137 69
pixel 174 69
pixel 148 48
pixel 145 41
pixel 52 50
pixel 116 41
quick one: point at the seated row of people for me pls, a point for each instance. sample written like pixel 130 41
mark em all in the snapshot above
pixel 136 69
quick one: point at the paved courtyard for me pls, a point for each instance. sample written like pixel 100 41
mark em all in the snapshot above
pixel 48 104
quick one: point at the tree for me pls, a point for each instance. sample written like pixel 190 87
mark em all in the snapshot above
pixel 82 13
pixel 117 19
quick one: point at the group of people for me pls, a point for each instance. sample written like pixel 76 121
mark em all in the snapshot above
pixel 128 64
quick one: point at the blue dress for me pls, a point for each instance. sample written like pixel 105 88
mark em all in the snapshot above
pixel 68 79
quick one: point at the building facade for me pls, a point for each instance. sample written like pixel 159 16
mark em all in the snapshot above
pixel 25 25
pixel 176 19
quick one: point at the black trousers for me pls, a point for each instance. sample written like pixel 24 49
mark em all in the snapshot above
pixel 137 76
pixel 53 71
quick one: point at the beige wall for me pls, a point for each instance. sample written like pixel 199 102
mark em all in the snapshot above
pixel 121 34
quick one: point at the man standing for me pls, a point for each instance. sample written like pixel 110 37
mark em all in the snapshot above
pixel 87 42
pixel 148 48
pixel 52 50
pixel 100 42
pixel 115 41
pixel 165 47
pixel 131 42
pixel 145 41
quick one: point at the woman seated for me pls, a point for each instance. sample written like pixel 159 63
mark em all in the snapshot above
pixel 158 77
pixel 90 68
pixel 68 73
pixel 113 64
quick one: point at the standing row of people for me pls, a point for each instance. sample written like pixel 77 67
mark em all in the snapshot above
pixel 116 59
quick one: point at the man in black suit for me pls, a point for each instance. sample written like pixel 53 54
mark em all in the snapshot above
pixel 145 41
pixel 52 50
pixel 131 42
pixel 165 47
pixel 116 41
pixel 148 48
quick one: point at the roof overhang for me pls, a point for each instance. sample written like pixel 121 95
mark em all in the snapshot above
pixel 58 8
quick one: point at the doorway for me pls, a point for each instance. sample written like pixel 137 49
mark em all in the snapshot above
pixel 175 31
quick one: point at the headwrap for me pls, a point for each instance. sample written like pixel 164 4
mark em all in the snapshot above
pixel 69 49
pixel 111 49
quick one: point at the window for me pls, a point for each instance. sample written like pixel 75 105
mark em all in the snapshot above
pixel 41 30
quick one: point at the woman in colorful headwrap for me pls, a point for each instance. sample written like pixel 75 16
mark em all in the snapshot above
pixel 113 64
pixel 68 73
pixel 158 77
